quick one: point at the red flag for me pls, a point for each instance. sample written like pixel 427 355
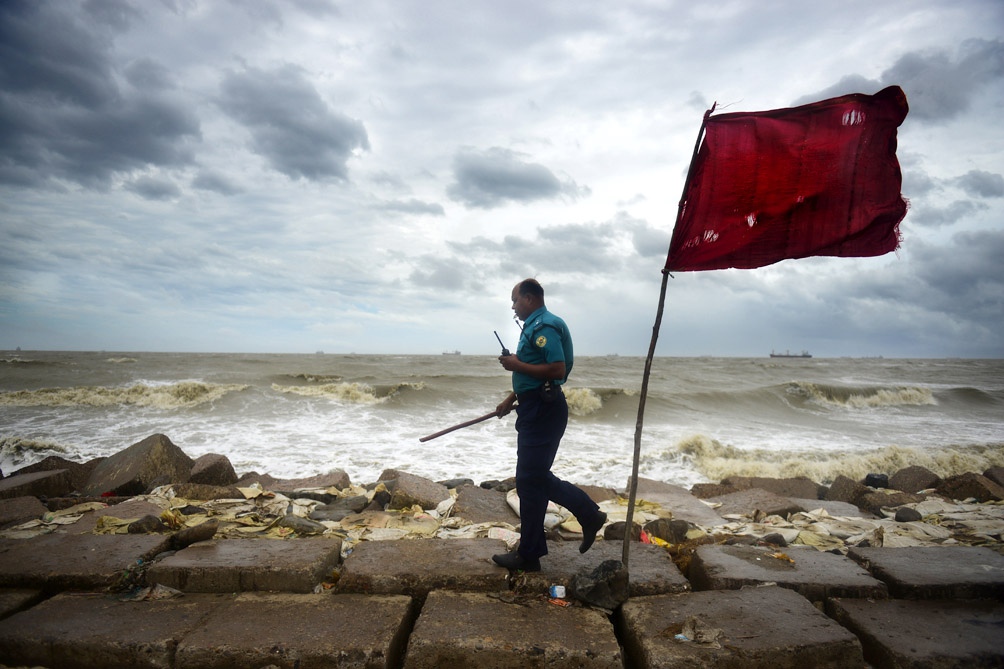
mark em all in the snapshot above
pixel 816 180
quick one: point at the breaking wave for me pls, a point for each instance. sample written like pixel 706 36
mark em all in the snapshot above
pixel 184 394
pixel 861 398
pixel 16 452
pixel 717 461
pixel 356 393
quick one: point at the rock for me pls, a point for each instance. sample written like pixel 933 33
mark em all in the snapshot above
pixel 750 500
pixel 905 514
pixel 131 471
pixel 615 531
pixel 302 526
pixel 482 505
pixel 995 474
pixel 411 490
pixel 970 485
pixel 203 492
pixel 190 535
pixel 876 501
pixel 877 481
pixel 339 508
pixel 776 539
pixel 914 479
pixel 17 510
pixel 799 486
pixel 79 472
pixel 55 483
pixel 147 524
pixel 606 586
pixel 453 484
pixel 706 490
pixel 599 493
pixel 213 469
pixel 847 490
pixel 501 486
pixel 673 531
pixel 336 478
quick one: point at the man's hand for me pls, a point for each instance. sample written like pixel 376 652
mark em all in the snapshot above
pixel 508 362
pixel 505 407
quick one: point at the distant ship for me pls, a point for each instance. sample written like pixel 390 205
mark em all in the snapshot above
pixel 786 354
pixel 451 352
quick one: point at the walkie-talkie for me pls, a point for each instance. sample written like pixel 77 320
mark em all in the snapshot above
pixel 505 351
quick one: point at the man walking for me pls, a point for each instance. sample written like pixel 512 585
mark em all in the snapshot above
pixel 541 364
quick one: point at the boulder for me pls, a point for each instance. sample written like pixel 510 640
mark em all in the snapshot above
pixel 202 492
pixel 877 481
pixel 876 501
pixel 411 490
pixel 55 483
pixel 481 505
pixel 995 474
pixel 747 502
pixel 17 510
pixel 339 508
pixel 914 479
pixel 799 486
pixel 847 490
pixel 213 469
pixel 79 472
pixel 606 586
pixel 971 485
pixel 673 531
pixel 134 470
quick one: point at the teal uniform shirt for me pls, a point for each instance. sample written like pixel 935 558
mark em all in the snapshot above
pixel 545 339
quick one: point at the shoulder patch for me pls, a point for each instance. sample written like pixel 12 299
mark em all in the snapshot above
pixel 541 341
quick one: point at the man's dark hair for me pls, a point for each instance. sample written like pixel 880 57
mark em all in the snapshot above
pixel 531 287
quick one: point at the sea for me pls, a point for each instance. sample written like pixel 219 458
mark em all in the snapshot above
pixel 705 418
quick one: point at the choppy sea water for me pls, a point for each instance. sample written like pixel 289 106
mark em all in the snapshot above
pixel 705 418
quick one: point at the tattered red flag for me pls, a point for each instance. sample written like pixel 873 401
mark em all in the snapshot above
pixel 817 180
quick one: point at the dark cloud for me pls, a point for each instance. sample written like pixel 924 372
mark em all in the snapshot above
pixel 153 188
pixel 496 176
pixel 291 126
pixel 938 87
pixel 215 182
pixel 981 184
pixel 63 114
pixel 935 216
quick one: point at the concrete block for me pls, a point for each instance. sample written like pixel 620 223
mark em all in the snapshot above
pixel 52 483
pixel 767 627
pixel 811 573
pixel 914 479
pixel 289 630
pixel 479 505
pixel 132 471
pixel 936 634
pixel 798 486
pixel 56 562
pixel 414 567
pixel 13 600
pixel 935 572
pixel 86 631
pixel 242 565
pixel 410 490
pixel 213 469
pixel 17 510
pixel 464 629
pixel 747 502
pixel 680 501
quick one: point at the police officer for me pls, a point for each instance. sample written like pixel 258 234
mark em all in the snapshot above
pixel 541 364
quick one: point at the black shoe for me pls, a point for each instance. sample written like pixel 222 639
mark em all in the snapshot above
pixel 516 562
pixel 589 531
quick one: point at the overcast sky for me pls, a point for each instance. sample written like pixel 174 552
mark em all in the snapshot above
pixel 373 177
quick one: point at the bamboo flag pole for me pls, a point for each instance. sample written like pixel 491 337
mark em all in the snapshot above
pixel 633 492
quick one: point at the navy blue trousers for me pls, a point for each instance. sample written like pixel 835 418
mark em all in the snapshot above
pixel 539 427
